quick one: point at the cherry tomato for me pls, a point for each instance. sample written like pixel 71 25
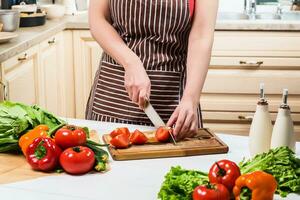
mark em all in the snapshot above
pixel 162 134
pixel 77 160
pixel 224 172
pixel 138 138
pixel 70 136
pixel 119 131
pixel 211 192
pixel 120 141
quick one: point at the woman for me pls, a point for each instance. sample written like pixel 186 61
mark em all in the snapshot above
pixel 154 49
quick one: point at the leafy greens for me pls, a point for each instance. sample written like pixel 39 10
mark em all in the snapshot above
pixel 180 183
pixel 18 118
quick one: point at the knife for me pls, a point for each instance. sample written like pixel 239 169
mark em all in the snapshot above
pixel 155 118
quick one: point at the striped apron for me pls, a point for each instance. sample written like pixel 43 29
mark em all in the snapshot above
pixel 157 31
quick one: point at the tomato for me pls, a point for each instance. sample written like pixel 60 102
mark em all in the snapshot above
pixel 120 141
pixel 162 134
pixel 70 136
pixel 119 131
pixel 224 172
pixel 77 160
pixel 211 192
pixel 138 138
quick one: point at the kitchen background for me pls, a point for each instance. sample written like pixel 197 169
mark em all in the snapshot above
pixel 54 65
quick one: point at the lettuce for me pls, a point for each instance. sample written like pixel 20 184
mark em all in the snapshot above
pixel 179 183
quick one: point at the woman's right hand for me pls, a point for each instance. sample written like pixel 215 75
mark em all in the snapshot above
pixel 137 83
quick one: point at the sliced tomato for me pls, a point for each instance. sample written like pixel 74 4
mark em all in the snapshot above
pixel 138 138
pixel 162 134
pixel 119 131
pixel 120 141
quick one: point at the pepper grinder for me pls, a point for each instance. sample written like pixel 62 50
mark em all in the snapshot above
pixel 283 132
pixel 261 127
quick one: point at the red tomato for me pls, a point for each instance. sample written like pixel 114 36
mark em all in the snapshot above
pixel 224 172
pixel 77 160
pixel 138 138
pixel 120 141
pixel 70 137
pixel 162 134
pixel 119 131
pixel 211 192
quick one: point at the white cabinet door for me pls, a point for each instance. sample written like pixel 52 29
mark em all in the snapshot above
pixel 87 54
pixel 50 58
pixel 56 84
pixel 19 77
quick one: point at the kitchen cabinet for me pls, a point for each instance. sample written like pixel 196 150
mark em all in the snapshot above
pixel 87 54
pixel 42 75
pixel 242 60
pixel 19 77
pixel 59 75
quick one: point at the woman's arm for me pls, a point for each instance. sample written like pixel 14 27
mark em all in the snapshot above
pixel 137 82
pixel 199 53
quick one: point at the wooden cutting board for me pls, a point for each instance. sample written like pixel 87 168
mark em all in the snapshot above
pixel 205 142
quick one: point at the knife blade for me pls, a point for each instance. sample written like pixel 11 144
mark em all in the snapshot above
pixel 155 118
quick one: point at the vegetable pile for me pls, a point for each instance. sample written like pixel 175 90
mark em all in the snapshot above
pixel 47 142
pixel 279 170
pixel 282 164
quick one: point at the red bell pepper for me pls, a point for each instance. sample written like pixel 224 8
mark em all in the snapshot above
pixel 43 154
pixel 224 172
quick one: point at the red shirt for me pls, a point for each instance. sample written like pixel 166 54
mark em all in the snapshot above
pixel 192 7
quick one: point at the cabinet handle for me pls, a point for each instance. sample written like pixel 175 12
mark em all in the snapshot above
pixel 5 91
pixel 241 117
pixel 23 58
pixel 252 63
pixel 51 41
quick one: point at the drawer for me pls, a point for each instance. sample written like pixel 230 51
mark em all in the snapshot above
pixel 239 117
pixel 236 81
pixel 244 102
pixel 282 63
pixel 55 39
pixel 256 43
pixel 238 129
pixel 21 57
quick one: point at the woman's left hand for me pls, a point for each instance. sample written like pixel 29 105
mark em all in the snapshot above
pixel 185 118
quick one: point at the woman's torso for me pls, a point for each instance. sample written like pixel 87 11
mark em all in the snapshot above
pixel 157 31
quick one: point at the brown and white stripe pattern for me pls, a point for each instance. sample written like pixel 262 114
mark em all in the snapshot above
pixel 157 31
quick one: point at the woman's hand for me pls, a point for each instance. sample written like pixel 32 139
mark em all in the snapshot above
pixel 137 83
pixel 185 118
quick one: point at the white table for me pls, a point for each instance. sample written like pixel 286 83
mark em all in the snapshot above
pixel 127 180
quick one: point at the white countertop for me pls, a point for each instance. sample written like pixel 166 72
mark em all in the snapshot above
pixel 134 180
